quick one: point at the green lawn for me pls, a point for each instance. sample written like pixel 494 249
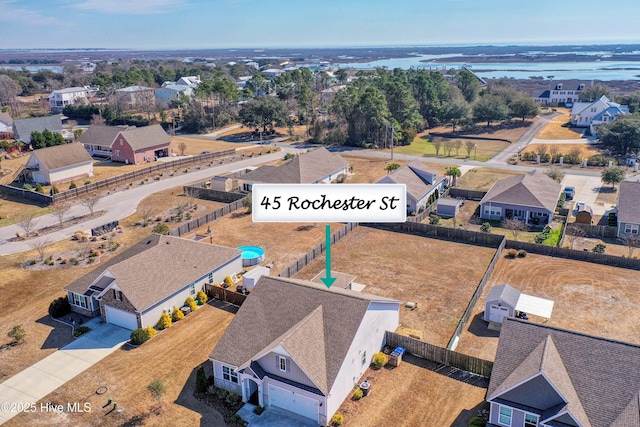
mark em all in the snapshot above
pixel 422 146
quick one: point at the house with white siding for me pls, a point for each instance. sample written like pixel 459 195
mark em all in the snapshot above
pixel 60 163
pixel 592 114
pixel 58 99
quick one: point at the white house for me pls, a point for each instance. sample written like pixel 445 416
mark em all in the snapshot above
pixel 157 274
pixel 172 92
pixel 6 125
pixel 593 114
pixel 69 96
pixel 191 81
pixel 60 163
pixel 300 346
pixel 135 96
pixel 566 92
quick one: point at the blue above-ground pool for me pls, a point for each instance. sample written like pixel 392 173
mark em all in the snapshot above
pixel 251 255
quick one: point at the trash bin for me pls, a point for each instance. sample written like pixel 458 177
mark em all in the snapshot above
pixel 364 386
pixel 395 358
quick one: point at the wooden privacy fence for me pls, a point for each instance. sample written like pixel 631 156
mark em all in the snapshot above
pixel 215 195
pixel 226 295
pixel 588 256
pixel 424 214
pixel 441 355
pixel 466 194
pixel 318 250
pixel 453 342
pixel 596 230
pixel 206 218
pixel 27 194
pixel 444 233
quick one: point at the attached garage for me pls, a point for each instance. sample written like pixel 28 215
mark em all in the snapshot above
pixel 506 301
pixel 121 318
pixel 293 402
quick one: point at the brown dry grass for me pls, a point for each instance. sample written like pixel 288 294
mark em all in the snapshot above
pixel 11 209
pixel 557 128
pixel 482 179
pixel 171 356
pixel 198 145
pixel 440 276
pixel 367 170
pixel 585 150
pixel 589 298
pixel 411 395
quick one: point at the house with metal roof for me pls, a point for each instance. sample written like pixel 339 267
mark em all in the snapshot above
pixel 300 346
pixel 530 197
pixel 423 186
pixel 60 163
pixel 593 114
pixel 628 208
pixel 133 289
pixel 545 376
pixel 313 167
pixel 127 144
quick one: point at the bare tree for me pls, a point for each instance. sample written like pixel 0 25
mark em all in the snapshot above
pixel 632 241
pixel 27 222
pixel 182 146
pixel 469 145
pixel 448 146
pixel 146 211
pixel 9 90
pixel 515 226
pixel 96 119
pixel 457 144
pixel 437 144
pixel 40 245
pixel 541 149
pixel 555 174
pixel 193 194
pixel 573 233
pixel 90 202
pixel 60 209
pixel 553 153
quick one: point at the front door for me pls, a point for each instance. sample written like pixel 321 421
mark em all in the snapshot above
pixel 251 390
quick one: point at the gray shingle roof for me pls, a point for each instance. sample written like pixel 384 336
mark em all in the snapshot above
pixel 343 280
pixel 303 169
pixel 146 137
pixel 629 202
pixel 505 292
pixel 6 118
pixel 414 176
pixel 600 378
pixel 101 135
pixel 315 324
pixel 534 189
pixel 24 127
pixel 60 156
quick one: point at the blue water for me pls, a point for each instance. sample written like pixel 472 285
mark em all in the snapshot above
pixel 590 70
pixel 250 252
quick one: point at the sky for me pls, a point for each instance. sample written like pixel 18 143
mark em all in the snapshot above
pixel 202 24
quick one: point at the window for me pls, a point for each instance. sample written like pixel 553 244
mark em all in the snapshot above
pixel 282 363
pixel 117 295
pixel 631 228
pixel 80 300
pixel 504 417
pixel 364 357
pixel 530 420
pixel 210 277
pixel 192 288
pixel 229 375
pixel 117 152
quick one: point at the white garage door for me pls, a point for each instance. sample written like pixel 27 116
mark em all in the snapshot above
pixel 121 318
pixel 293 402
pixel 496 314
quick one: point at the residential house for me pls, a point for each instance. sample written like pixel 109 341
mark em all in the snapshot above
pixel 563 92
pixel 22 128
pixel 544 376
pixel 313 167
pixel 191 81
pixel 592 114
pixel 58 99
pixel 272 72
pixel 170 93
pixel 530 197
pixel 130 145
pixel 628 208
pixel 133 289
pixel 423 186
pixel 300 346
pixel 134 97
pixel 6 126
pixel 327 95
pixel 60 163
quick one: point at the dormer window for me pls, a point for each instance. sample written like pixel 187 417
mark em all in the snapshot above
pixel 282 363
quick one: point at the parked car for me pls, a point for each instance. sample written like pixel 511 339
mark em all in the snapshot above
pixel 569 192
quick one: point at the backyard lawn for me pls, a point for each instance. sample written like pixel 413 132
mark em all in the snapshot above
pixel 367 170
pixel 588 298
pixel 481 179
pixel 440 276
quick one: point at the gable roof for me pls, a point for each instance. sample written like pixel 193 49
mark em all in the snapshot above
pixel 305 168
pixel 6 118
pixel 534 189
pixel 60 156
pixel 506 293
pixel 415 176
pixel 101 135
pixel 146 137
pixel 170 263
pixel 314 324
pixel 24 127
pixel 599 378
pixel 629 202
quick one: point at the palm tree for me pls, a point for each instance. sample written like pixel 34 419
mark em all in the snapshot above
pixel 455 173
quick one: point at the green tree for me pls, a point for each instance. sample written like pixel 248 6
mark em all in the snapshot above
pixel 17 334
pixel 612 175
pixel 161 229
pixel 201 380
pixel 390 167
pixel 524 107
pixel 468 85
pixel 622 135
pixel 490 108
pixel 455 112
pixel 247 202
pixel 263 112
pixel 157 389
pixel 341 75
pixel 591 93
pixel 453 172
pixel 485 227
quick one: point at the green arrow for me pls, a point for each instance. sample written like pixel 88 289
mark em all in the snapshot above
pixel 328 281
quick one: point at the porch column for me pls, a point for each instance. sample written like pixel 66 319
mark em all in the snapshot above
pixel 260 396
pixel 526 217
pixel 243 387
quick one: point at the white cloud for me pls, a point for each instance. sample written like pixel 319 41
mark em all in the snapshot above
pixel 131 7
pixel 28 17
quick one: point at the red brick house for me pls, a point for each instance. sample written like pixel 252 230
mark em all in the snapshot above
pixel 127 144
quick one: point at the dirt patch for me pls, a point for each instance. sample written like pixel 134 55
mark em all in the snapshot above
pixel 588 298
pixel 412 268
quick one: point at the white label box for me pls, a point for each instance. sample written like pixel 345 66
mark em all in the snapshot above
pixel 329 203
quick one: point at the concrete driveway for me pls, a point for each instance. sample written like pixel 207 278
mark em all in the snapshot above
pixel 587 188
pixel 274 417
pixel 42 378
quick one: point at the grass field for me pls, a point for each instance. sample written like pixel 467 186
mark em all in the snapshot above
pixel 171 356
pixel 421 146
pixel 367 170
pixel 412 268
pixel 198 145
pixel 481 179
pixel 582 150
pixel 557 127
pixel 588 298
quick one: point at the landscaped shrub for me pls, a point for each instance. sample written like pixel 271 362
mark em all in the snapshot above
pixel 434 219
pixel 139 336
pixel 27 187
pixel 337 420
pixel 379 360
pixel 522 253
pixel 59 307
pixel 259 410
pixel 202 297
pixel 228 281
pixel 561 200
pixel 543 235
pixel 164 322
pixel 161 229
pixel 81 330
pixel 232 399
pixel 39 188
pixel 17 334
pixel 485 227
pixel 54 190
pixel 72 185
pixel 512 253
pixel 151 332
pixel 477 422
pixel 201 380
pixel 357 395
pixel 177 314
pixel 599 248
pixel 191 303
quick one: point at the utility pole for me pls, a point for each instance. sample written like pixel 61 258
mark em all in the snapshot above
pixel 392 127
